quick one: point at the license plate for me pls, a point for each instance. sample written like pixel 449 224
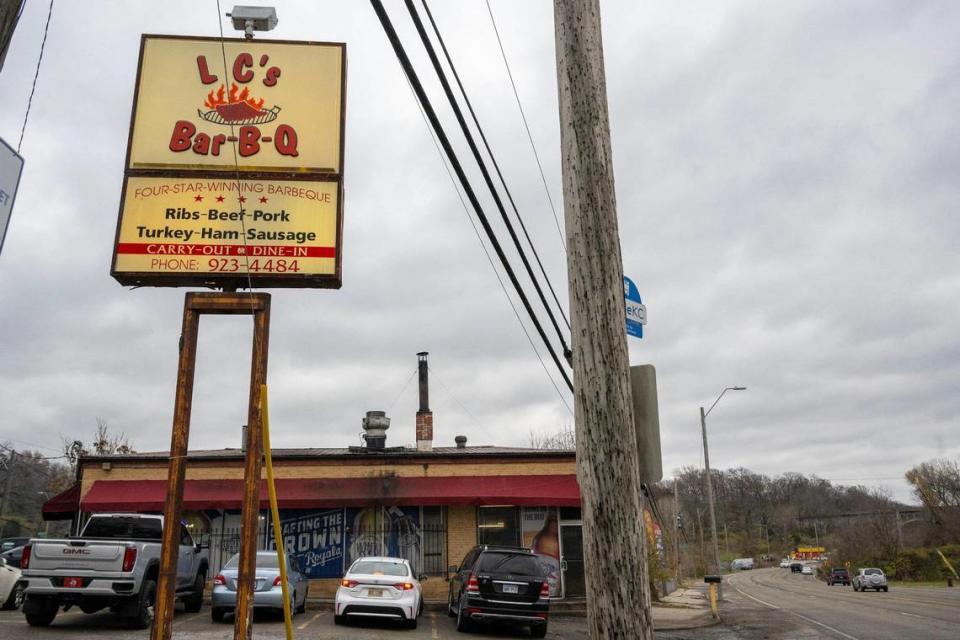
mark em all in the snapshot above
pixel 73 583
pixel 510 588
pixel 375 593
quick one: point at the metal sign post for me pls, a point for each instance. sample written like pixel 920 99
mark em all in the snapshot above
pixel 195 304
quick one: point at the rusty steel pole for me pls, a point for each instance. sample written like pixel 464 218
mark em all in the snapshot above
pixel 250 516
pixel 167 578
pixel 258 305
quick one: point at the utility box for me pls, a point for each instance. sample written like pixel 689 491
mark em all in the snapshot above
pixel 646 422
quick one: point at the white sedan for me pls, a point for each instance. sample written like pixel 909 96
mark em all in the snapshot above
pixel 379 587
pixel 11 591
pixel 807 570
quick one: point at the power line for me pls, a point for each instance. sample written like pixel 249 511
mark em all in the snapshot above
pixel 493 159
pixel 404 388
pixel 36 75
pixel 447 389
pixel 481 165
pixel 486 252
pixel 458 169
pixel 536 155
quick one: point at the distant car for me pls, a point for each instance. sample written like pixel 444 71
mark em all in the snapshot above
pixel 13 556
pixel 268 592
pixel 870 578
pixel 11 588
pixel 380 586
pixel 499 584
pixel 9 543
pixel 742 564
pixel 807 570
pixel 796 567
pixel 785 564
pixel 838 575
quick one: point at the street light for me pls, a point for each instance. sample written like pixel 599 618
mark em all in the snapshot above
pixel 706 463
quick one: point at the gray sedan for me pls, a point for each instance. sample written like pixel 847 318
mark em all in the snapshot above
pixel 267 589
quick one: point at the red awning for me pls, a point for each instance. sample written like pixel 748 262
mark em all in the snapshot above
pixel 149 495
pixel 63 505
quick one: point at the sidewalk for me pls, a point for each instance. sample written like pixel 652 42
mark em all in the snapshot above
pixel 683 609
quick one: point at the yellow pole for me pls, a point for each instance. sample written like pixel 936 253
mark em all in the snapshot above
pixel 947 562
pixel 714 610
pixel 275 512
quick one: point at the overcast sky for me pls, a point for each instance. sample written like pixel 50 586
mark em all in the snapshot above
pixel 787 185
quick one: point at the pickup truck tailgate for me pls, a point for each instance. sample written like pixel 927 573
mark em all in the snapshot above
pixel 79 555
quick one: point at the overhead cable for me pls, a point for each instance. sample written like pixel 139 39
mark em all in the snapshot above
pixel 458 169
pixel 486 252
pixel 36 74
pixel 483 168
pixel 493 159
pixel 536 155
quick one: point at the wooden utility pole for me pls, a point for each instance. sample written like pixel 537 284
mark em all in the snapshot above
pixel 9 14
pixel 614 543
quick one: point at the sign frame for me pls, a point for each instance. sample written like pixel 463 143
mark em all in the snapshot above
pixel 13 196
pixel 226 281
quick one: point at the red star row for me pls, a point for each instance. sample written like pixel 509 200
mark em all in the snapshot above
pixel 199 198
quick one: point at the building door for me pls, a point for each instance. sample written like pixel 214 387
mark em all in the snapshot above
pixel 571 561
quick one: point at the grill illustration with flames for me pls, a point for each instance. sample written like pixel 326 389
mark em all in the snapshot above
pixel 236 108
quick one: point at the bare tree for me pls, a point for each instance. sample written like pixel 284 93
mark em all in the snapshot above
pixel 565 438
pixel 104 443
pixel 937 484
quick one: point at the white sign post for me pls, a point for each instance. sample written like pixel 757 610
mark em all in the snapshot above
pixel 11 166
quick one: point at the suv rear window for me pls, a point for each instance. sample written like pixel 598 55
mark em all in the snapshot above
pixel 518 563
pixel 124 528
pixel 873 572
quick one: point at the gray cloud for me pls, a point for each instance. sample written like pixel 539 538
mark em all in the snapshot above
pixel 786 192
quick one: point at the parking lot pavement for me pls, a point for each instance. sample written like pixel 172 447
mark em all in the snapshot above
pixel 315 624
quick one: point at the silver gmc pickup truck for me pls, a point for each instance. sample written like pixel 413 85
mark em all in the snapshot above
pixel 114 563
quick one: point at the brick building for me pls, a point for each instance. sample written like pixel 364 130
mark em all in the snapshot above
pixel 427 504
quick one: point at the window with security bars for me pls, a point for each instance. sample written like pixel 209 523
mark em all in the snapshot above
pixel 433 541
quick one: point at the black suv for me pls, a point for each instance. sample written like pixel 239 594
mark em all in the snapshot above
pixel 499 584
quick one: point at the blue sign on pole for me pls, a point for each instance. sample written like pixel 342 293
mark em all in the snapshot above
pixel 636 311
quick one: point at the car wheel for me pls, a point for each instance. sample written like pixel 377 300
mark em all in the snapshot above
pixel 194 602
pixel 885 589
pixel 217 613
pixel 539 631
pixel 464 623
pixel 15 599
pixel 144 615
pixel 450 610
pixel 44 616
pixel 339 619
pixel 411 623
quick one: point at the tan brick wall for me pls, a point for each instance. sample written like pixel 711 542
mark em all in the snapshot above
pixel 461 532
pixel 233 469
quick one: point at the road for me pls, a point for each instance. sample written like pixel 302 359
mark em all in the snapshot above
pixel 775 603
pixel 315 624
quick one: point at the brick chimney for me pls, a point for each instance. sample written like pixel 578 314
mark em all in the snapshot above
pixel 424 415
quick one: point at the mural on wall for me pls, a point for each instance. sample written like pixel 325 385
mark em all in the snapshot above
pixel 385 531
pixel 315 538
pixel 541 535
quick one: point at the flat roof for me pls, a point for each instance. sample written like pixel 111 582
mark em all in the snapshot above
pixel 320 453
